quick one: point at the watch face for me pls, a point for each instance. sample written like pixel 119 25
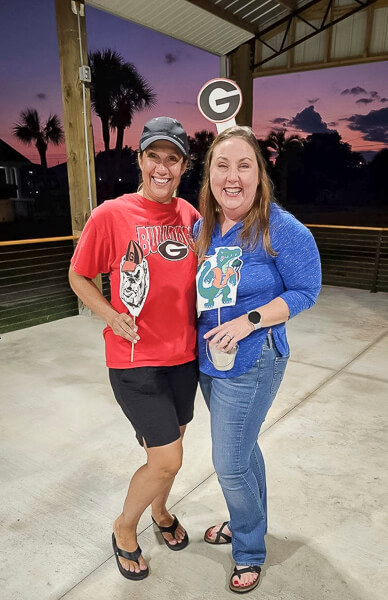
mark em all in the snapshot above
pixel 254 317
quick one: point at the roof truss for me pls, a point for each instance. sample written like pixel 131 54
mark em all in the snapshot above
pixel 329 18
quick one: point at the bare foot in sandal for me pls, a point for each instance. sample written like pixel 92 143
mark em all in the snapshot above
pixel 128 542
pixel 218 534
pixel 244 579
pixel 174 535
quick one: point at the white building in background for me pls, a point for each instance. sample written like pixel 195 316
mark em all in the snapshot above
pixel 13 169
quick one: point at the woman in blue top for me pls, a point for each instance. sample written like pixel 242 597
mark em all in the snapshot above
pixel 259 267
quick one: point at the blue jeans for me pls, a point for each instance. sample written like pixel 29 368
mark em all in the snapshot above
pixel 238 407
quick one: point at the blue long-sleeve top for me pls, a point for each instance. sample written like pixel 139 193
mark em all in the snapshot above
pixel 294 274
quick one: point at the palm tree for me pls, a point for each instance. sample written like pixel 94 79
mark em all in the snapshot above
pixel 278 141
pixel 106 67
pixel 287 150
pixel 199 145
pixel 29 129
pixel 134 94
pixel 117 91
pixel 265 152
pixel 191 180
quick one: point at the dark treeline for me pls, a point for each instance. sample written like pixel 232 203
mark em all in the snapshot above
pixel 323 169
pixel 318 178
pixel 315 177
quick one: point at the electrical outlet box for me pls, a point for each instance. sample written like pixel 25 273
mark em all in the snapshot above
pixel 85 74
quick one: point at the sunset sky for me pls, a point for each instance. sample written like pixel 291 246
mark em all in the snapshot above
pixel 353 100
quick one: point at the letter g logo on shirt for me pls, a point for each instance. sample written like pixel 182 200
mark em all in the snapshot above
pixel 172 250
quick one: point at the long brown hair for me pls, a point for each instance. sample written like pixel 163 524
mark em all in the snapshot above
pixel 256 221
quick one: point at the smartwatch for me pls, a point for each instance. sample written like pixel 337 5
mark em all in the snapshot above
pixel 254 317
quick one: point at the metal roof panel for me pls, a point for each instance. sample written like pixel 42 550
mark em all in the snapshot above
pixel 312 49
pixel 181 20
pixel 348 36
pixel 379 39
pixel 201 24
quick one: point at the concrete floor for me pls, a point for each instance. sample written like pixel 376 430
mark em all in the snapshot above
pixel 68 453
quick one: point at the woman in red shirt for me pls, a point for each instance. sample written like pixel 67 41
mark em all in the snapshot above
pixel 144 242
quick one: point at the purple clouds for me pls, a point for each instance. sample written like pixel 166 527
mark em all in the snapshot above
pixel 373 126
pixel 170 58
pixel 310 121
pixel 356 91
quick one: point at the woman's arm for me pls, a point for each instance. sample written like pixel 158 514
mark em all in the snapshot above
pixel 298 264
pixel 88 292
pixel 229 333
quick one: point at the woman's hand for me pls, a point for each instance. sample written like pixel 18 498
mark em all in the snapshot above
pixel 228 334
pixel 123 325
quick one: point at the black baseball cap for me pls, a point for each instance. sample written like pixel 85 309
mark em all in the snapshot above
pixel 164 128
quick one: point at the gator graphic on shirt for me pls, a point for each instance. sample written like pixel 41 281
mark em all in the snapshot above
pixel 218 278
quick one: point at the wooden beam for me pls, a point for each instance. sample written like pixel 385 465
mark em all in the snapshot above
pixel 368 30
pixel 258 57
pixel 225 15
pixel 78 135
pixel 72 98
pixel 298 68
pixel 291 4
pixel 240 69
pixel 328 36
pixel 61 238
pixel 291 53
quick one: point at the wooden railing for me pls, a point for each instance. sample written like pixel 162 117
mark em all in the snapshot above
pixel 34 287
pixel 354 257
pixel 39 240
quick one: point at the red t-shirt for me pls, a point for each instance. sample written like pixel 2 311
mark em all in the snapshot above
pixel 147 249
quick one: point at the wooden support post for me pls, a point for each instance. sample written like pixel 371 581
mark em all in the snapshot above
pixel 240 69
pixel 76 104
pixel 328 36
pixel 368 31
pixel 291 40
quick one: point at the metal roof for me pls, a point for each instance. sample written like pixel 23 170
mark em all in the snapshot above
pixel 287 32
pixel 218 26
pixel 181 20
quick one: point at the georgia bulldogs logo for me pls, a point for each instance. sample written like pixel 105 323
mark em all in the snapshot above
pixel 172 242
pixel 173 250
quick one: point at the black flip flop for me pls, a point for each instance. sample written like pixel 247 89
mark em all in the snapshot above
pixel 246 588
pixel 129 556
pixel 220 535
pixel 172 529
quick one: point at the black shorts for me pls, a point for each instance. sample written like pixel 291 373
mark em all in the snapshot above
pixel 156 400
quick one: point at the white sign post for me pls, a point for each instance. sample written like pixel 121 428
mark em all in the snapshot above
pixel 219 100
